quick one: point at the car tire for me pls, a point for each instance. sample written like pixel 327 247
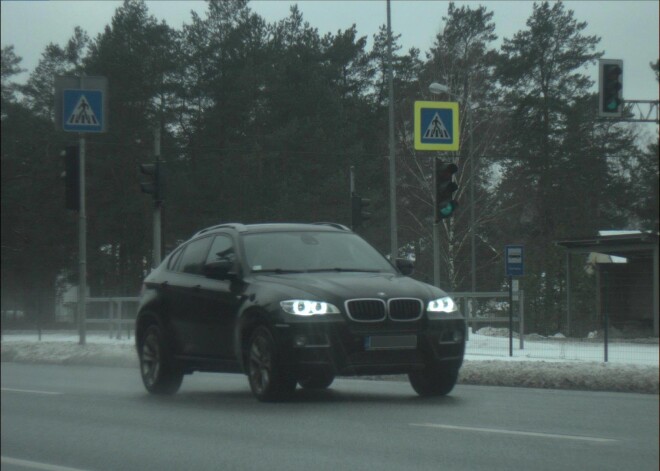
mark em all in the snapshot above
pixel 434 380
pixel 317 381
pixel 159 373
pixel 269 381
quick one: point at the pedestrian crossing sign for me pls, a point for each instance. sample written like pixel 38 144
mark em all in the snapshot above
pixel 436 126
pixel 83 111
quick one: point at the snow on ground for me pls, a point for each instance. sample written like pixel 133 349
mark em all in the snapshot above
pixel 558 348
pixel 543 363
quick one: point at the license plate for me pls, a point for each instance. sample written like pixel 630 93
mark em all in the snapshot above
pixel 390 342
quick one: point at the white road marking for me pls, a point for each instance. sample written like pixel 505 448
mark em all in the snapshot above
pixel 35 465
pixel 516 432
pixel 31 391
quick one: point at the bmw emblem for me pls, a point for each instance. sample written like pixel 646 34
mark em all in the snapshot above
pixel 381 294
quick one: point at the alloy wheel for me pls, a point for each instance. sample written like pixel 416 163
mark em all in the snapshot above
pixel 261 363
pixel 150 363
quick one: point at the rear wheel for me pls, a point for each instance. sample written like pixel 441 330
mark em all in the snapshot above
pixel 317 380
pixel 269 381
pixel 434 380
pixel 159 373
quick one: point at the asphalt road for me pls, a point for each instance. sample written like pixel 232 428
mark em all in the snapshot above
pixel 63 418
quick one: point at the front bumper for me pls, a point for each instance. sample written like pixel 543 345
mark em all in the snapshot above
pixel 347 349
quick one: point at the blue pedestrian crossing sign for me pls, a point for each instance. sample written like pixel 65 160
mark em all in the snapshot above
pixel 436 126
pixel 82 110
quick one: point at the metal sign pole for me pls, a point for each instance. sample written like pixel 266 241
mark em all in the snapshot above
pixel 80 106
pixel 82 248
pixel 157 204
pixel 82 241
pixel 510 316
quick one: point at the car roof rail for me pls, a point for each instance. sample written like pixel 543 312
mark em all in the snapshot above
pixel 231 225
pixel 332 224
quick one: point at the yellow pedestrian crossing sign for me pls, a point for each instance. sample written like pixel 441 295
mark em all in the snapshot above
pixel 436 126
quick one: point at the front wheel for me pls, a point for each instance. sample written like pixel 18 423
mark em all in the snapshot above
pixel 269 381
pixel 434 380
pixel 159 373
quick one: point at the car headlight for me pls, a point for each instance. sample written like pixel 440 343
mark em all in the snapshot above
pixel 445 304
pixel 302 307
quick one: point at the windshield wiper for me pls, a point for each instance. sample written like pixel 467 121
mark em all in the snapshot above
pixel 337 269
pixel 279 271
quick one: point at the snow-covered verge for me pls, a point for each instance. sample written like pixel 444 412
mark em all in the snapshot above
pixel 70 353
pixel 580 375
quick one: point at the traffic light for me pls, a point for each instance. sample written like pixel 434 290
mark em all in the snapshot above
pixel 610 76
pixel 444 189
pixel 71 177
pixel 155 185
pixel 358 211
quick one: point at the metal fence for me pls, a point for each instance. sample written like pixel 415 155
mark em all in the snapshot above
pixel 116 313
pixel 489 335
pixel 487 320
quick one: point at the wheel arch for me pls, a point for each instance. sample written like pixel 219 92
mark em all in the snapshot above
pixel 248 321
pixel 146 318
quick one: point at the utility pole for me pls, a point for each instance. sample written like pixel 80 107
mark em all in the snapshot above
pixel 473 249
pixel 394 244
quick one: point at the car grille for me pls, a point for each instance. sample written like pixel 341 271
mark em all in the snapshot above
pixel 376 310
pixel 405 309
pixel 366 310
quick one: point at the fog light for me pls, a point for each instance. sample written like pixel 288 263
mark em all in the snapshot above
pixel 458 336
pixel 300 341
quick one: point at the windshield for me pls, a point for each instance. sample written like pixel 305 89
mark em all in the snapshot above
pixel 312 251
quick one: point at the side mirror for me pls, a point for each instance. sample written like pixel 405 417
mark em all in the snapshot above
pixel 221 269
pixel 405 266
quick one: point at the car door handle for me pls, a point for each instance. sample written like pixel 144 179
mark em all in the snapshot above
pixel 197 288
pixel 165 285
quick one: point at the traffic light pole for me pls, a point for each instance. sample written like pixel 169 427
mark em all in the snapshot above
pixel 157 206
pixel 436 226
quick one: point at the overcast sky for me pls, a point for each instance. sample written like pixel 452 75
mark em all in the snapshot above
pixel 629 29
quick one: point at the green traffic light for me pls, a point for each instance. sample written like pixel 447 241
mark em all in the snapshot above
pixel 447 209
pixel 611 75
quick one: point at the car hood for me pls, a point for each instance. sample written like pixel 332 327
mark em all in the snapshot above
pixel 334 287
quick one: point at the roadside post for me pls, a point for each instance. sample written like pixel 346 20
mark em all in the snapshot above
pixel 513 267
pixel 80 107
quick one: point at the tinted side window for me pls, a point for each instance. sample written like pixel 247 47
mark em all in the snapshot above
pixel 221 249
pixel 194 255
pixel 174 259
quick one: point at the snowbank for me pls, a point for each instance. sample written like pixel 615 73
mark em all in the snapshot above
pixel 478 368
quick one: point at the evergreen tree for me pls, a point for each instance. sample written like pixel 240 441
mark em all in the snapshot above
pixel 37 241
pixel 560 169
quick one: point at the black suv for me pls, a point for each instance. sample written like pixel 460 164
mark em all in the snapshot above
pixel 291 304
